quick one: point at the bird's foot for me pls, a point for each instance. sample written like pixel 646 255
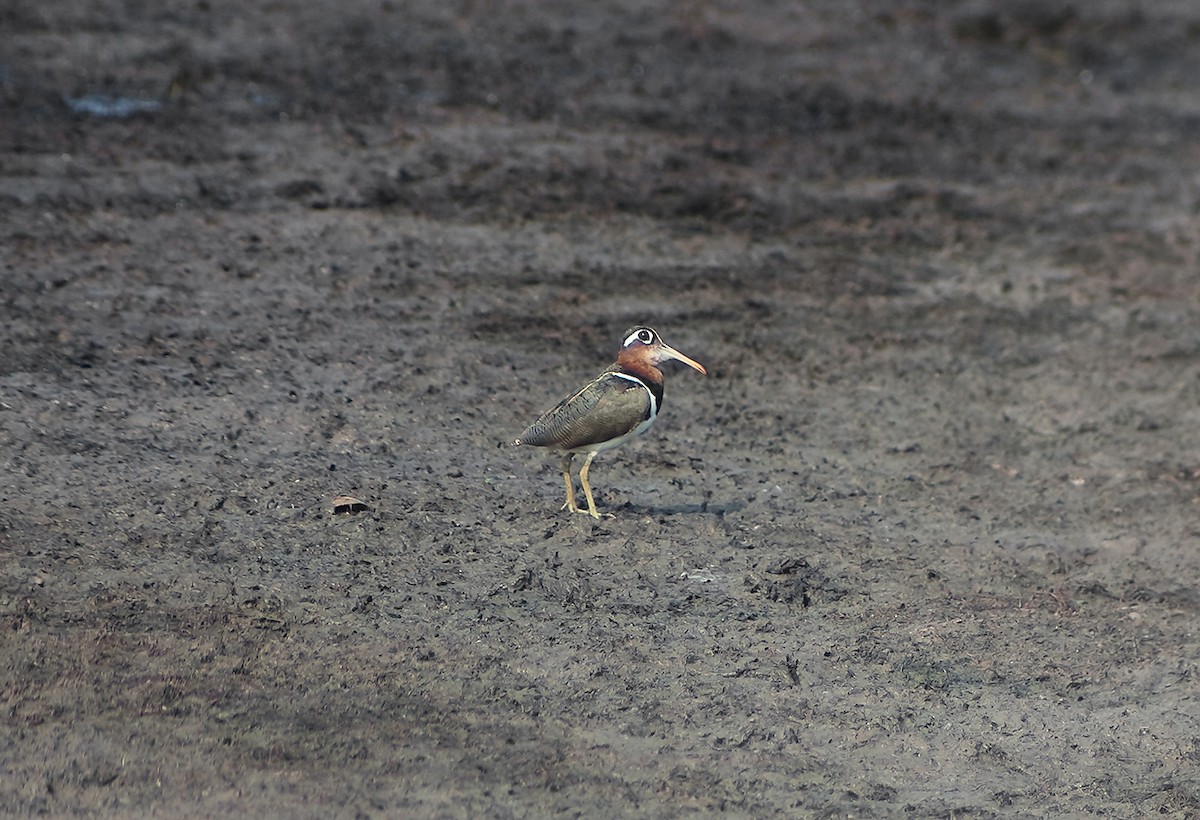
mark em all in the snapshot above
pixel 596 514
pixel 593 512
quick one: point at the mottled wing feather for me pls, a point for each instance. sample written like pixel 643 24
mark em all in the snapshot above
pixel 607 408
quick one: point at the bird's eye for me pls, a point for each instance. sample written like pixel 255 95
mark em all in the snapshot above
pixel 645 336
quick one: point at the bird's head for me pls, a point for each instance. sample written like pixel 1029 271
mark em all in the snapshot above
pixel 644 349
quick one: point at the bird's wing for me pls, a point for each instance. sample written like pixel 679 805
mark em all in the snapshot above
pixel 606 408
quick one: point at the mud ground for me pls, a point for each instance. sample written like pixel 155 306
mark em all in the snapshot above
pixel 923 543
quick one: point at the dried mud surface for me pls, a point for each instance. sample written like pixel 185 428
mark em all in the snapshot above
pixel 923 543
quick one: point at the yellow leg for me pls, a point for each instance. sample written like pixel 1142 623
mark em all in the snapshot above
pixel 566 471
pixel 587 488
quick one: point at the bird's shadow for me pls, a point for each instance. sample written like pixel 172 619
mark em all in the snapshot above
pixel 703 508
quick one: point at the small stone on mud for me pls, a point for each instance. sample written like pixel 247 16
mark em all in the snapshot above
pixel 348 504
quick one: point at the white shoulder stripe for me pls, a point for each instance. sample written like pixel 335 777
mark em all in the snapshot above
pixel 628 377
pixel 644 386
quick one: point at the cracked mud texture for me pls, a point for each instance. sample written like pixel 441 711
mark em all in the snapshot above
pixel 923 543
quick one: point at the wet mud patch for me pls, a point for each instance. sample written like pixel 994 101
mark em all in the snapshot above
pixel 920 544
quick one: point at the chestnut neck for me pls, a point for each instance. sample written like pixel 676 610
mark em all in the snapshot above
pixel 636 362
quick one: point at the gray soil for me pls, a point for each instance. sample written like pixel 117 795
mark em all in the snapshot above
pixel 923 543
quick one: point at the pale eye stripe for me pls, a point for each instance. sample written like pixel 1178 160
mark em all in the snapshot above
pixel 633 337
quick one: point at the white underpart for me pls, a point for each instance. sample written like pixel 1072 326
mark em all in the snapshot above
pixel 636 431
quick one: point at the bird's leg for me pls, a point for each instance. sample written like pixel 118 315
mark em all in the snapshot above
pixel 587 488
pixel 566 471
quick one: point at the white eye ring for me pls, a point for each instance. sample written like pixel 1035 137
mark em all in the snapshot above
pixel 643 336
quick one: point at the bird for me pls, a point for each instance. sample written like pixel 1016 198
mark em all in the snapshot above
pixel 616 406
